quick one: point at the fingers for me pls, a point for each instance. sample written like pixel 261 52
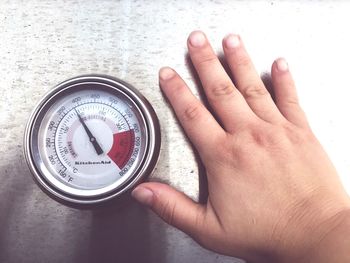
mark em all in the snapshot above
pixel 285 93
pixel 234 107
pixel 222 95
pixel 198 123
pixel 172 206
pixel 247 80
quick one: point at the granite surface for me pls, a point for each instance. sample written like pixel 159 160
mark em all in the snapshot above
pixel 44 42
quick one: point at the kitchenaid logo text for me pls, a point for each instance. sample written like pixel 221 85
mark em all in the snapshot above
pixel 92 163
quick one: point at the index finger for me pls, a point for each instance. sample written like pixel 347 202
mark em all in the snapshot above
pixel 199 124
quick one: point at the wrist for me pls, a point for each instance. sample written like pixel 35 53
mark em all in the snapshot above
pixel 334 244
pixel 313 234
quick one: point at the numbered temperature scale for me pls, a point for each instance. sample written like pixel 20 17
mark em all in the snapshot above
pixel 91 139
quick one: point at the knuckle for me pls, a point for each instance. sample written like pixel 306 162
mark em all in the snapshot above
pixel 264 139
pixel 192 112
pixel 232 151
pixel 292 101
pixel 254 91
pixel 221 89
pixel 276 138
pixel 298 136
pixel 196 231
pixel 264 136
pixel 167 212
pixel 243 61
pixel 207 59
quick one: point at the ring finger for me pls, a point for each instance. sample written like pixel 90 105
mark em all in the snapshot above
pixel 248 81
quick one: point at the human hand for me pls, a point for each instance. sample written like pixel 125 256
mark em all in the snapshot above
pixel 273 193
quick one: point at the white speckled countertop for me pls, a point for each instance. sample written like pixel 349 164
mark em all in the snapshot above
pixel 45 42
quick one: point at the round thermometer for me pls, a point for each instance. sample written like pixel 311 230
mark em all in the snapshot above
pixel 91 139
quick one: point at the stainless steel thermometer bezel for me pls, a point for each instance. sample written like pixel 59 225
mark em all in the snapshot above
pixel 113 86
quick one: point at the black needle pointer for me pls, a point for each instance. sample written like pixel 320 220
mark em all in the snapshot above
pixel 92 139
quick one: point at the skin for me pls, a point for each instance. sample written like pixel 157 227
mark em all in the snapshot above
pixel 274 195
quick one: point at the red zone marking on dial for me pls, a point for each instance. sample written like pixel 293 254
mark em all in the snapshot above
pixel 122 148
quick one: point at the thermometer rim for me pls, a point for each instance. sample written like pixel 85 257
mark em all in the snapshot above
pixel 145 166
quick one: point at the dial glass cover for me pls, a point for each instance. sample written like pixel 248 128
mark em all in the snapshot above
pixel 88 139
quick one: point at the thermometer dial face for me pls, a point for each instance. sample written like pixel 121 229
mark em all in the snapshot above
pixel 91 139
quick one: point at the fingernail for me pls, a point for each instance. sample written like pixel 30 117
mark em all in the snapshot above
pixel 143 195
pixel 166 73
pixel 197 39
pixel 232 41
pixel 282 64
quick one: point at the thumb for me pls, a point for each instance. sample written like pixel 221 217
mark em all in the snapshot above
pixel 172 206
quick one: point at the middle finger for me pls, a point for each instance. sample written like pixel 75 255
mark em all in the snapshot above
pixel 226 100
